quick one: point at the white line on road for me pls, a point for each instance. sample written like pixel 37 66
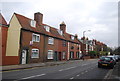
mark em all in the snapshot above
pixel 66 68
pixel 84 64
pixel 86 71
pixel 33 76
pixel 72 78
pixel 78 75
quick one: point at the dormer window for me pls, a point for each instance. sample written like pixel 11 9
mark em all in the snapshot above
pixel 47 28
pixel 72 37
pixel 60 32
pixel 33 23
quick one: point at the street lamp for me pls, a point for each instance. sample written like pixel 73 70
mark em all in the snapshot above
pixel 84 38
pixel 84 32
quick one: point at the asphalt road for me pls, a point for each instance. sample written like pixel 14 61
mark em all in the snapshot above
pixel 77 70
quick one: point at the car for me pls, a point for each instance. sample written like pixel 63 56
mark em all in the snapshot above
pixel 106 61
pixel 114 58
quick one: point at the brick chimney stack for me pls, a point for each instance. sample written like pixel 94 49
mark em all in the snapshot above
pixel 63 27
pixel 76 36
pixel 38 17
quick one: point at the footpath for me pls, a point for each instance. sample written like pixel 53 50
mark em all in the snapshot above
pixel 115 73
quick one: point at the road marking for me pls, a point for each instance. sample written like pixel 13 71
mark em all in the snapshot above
pixel 72 78
pixel 67 69
pixel 86 71
pixel 84 64
pixel 78 75
pixel 33 76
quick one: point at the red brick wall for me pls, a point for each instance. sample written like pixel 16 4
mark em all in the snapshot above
pixel 26 38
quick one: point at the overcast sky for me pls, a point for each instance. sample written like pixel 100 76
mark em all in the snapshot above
pixel 99 16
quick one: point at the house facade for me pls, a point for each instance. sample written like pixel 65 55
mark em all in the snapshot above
pixel 3 39
pixel 32 41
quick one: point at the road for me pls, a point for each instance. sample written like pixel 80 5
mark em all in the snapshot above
pixel 86 69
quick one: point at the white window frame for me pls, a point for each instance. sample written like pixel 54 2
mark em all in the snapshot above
pixel 33 50
pixel 50 40
pixel 47 28
pixel 63 55
pixel 37 37
pixel 50 54
pixel 72 37
pixel 33 23
pixel 60 32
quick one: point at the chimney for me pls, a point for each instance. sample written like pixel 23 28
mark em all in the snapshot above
pixel 38 17
pixel 76 36
pixel 63 27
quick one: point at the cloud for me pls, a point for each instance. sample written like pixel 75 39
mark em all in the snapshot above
pixel 99 16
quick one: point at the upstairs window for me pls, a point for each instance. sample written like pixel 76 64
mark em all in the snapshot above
pixel 50 40
pixel 35 37
pixel 47 28
pixel 33 23
pixel 60 32
pixel 72 37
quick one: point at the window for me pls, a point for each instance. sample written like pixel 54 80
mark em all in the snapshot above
pixel 71 55
pixel 50 40
pixel 36 37
pixel 35 53
pixel 64 43
pixel 77 54
pixel 60 32
pixel 72 37
pixel 50 54
pixel 64 55
pixel 33 23
pixel 47 28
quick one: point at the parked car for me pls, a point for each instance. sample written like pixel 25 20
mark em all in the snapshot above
pixel 106 61
pixel 116 57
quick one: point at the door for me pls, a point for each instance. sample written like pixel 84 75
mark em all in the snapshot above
pixel 55 56
pixel 24 54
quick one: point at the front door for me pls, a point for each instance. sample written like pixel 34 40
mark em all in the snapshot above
pixel 55 56
pixel 24 54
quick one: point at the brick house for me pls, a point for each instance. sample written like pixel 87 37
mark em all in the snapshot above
pixel 3 38
pixel 32 41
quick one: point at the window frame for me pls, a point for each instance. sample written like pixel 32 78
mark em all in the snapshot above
pixel 63 55
pixel 52 54
pixel 33 23
pixel 50 39
pixel 34 49
pixel 36 35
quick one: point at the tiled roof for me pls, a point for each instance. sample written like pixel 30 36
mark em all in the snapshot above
pixel 2 20
pixel 25 23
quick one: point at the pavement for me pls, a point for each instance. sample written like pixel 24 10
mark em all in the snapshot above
pixel 115 73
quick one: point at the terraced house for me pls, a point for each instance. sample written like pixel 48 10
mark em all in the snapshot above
pixel 32 41
pixel 3 39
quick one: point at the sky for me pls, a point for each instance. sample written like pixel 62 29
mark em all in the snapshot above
pixel 99 16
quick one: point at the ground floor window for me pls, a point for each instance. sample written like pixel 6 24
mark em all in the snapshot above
pixel 50 54
pixel 64 55
pixel 77 54
pixel 71 55
pixel 35 53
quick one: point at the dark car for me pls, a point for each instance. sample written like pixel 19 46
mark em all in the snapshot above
pixel 106 61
